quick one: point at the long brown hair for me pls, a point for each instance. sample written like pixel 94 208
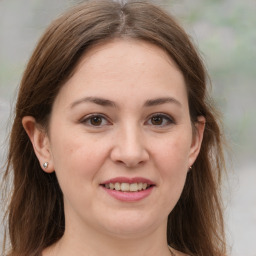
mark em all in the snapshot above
pixel 35 213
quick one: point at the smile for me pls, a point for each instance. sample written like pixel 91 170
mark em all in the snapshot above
pixel 127 187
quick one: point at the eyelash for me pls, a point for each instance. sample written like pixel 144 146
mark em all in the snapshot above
pixel 168 120
pixel 87 120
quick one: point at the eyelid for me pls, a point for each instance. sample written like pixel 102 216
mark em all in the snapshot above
pixel 170 119
pixel 89 116
pixel 85 120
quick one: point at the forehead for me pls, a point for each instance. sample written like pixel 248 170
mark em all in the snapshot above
pixel 130 66
pixel 129 51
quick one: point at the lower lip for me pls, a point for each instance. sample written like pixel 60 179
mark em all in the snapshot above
pixel 129 196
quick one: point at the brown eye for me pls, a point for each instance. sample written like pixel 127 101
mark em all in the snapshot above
pixel 160 120
pixel 96 120
pixel 157 120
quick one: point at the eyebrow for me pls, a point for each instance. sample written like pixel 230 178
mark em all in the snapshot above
pixel 96 100
pixel 161 101
pixel 109 103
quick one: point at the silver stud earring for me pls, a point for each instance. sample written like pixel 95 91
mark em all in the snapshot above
pixel 45 164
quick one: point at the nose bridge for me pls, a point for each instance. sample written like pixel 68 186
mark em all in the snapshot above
pixel 130 148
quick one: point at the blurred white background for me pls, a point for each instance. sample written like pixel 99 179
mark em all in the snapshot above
pixel 224 31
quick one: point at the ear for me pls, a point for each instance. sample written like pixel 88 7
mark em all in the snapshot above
pixel 197 139
pixel 40 142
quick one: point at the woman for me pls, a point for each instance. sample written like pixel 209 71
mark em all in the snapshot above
pixel 115 148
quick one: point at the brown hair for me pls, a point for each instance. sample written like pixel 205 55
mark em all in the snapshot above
pixel 35 213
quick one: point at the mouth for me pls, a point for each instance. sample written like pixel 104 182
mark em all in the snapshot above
pixel 124 184
pixel 127 187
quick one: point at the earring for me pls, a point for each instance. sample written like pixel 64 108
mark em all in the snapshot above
pixel 190 168
pixel 45 164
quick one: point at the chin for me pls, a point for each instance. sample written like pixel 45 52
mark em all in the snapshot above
pixel 131 225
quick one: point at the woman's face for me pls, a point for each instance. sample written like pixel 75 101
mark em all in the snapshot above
pixel 120 139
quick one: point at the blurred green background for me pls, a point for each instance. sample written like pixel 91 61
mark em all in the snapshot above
pixel 224 31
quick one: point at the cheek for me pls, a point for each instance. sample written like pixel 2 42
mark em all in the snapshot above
pixel 171 158
pixel 173 152
pixel 76 157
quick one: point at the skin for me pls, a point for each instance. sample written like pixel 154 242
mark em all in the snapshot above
pixel 126 141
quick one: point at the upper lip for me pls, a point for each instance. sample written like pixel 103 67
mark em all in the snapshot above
pixel 128 180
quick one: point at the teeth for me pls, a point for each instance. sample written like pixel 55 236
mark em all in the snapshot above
pixel 134 187
pixel 144 185
pixel 117 186
pixel 125 187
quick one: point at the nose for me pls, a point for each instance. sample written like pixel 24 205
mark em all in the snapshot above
pixel 129 147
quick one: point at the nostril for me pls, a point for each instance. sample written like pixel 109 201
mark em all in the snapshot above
pixel 129 150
